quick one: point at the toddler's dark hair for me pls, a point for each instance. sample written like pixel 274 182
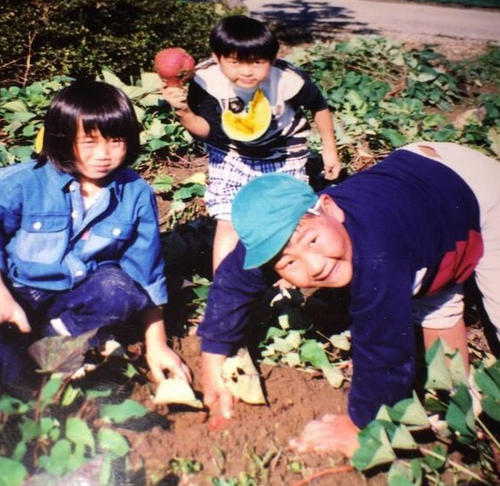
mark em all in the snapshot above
pixel 99 106
pixel 243 37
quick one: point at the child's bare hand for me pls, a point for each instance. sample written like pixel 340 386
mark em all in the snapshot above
pixel 332 433
pixel 215 393
pixel 176 97
pixel 162 358
pixel 331 164
pixel 12 312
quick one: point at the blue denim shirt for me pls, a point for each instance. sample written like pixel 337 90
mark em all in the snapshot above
pixel 48 241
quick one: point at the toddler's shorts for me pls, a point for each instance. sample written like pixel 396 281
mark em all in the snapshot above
pixel 229 171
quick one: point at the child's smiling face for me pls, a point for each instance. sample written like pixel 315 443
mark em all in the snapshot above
pixel 97 157
pixel 319 252
pixel 245 74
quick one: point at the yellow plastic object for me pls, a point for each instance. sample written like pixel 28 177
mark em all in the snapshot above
pixel 250 124
pixel 38 145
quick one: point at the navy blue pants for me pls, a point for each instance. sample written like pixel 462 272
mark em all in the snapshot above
pixel 107 300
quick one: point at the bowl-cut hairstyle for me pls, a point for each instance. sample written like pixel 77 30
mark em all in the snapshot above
pixel 246 38
pixel 97 105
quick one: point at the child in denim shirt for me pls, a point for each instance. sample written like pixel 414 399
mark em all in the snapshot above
pixel 79 238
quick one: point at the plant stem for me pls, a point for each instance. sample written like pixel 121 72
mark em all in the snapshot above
pixel 325 472
pixel 488 433
pixel 454 464
pixel 39 399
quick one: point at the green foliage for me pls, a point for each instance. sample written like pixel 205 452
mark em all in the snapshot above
pixel 389 440
pixel 53 437
pixel 289 343
pixel 383 96
pixel 184 196
pixel 22 111
pixel 485 68
pixel 78 37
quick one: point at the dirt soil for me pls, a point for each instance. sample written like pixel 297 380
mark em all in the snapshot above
pixel 255 440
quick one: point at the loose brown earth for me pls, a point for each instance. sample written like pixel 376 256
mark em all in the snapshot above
pixel 255 440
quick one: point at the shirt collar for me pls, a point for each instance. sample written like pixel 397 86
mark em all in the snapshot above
pixel 63 180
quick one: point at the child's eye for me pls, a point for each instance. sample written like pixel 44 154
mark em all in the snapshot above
pixel 312 242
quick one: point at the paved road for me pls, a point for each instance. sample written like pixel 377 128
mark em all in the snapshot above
pixel 379 17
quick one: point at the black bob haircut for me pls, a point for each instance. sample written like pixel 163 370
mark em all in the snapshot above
pixel 243 37
pixel 99 106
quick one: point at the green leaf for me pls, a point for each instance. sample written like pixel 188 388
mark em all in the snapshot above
pixel 436 462
pixel 109 77
pixel 402 439
pixel 374 449
pixel 130 371
pixel 13 472
pixel 92 394
pixel 112 442
pixel 123 411
pixel 290 342
pixel 29 429
pixel 12 406
pixel 438 374
pixel 333 375
pixel 15 106
pixel 402 474
pixel 19 452
pixel 189 191
pixel 151 81
pixel 460 415
pixel 341 341
pixel 384 414
pixel 312 352
pixel 56 462
pixel 78 432
pixel 77 458
pixel 70 395
pixel 410 412
pixel 491 407
pixel 163 183
pixel 494 139
pixel 488 379
pixel 47 424
pixel 395 138
pixel 49 391
pixel 457 369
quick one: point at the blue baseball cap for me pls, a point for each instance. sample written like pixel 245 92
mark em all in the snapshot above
pixel 265 213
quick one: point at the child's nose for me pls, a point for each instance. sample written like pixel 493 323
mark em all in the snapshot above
pixel 314 263
pixel 246 69
pixel 102 150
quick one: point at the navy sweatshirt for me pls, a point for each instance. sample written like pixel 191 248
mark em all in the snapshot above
pixel 414 226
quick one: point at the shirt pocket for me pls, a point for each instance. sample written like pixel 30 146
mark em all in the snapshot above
pixel 42 238
pixel 108 238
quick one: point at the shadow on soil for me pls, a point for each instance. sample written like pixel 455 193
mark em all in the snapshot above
pixel 296 22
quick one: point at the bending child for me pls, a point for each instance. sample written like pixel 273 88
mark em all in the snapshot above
pixel 247 106
pixel 79 238
pixel 404 235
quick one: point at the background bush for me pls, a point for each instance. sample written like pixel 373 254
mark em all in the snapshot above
pixel 41 39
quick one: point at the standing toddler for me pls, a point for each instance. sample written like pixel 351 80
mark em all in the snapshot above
pixel 242 73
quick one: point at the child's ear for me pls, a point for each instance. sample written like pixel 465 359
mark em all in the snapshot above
pixel 330 207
